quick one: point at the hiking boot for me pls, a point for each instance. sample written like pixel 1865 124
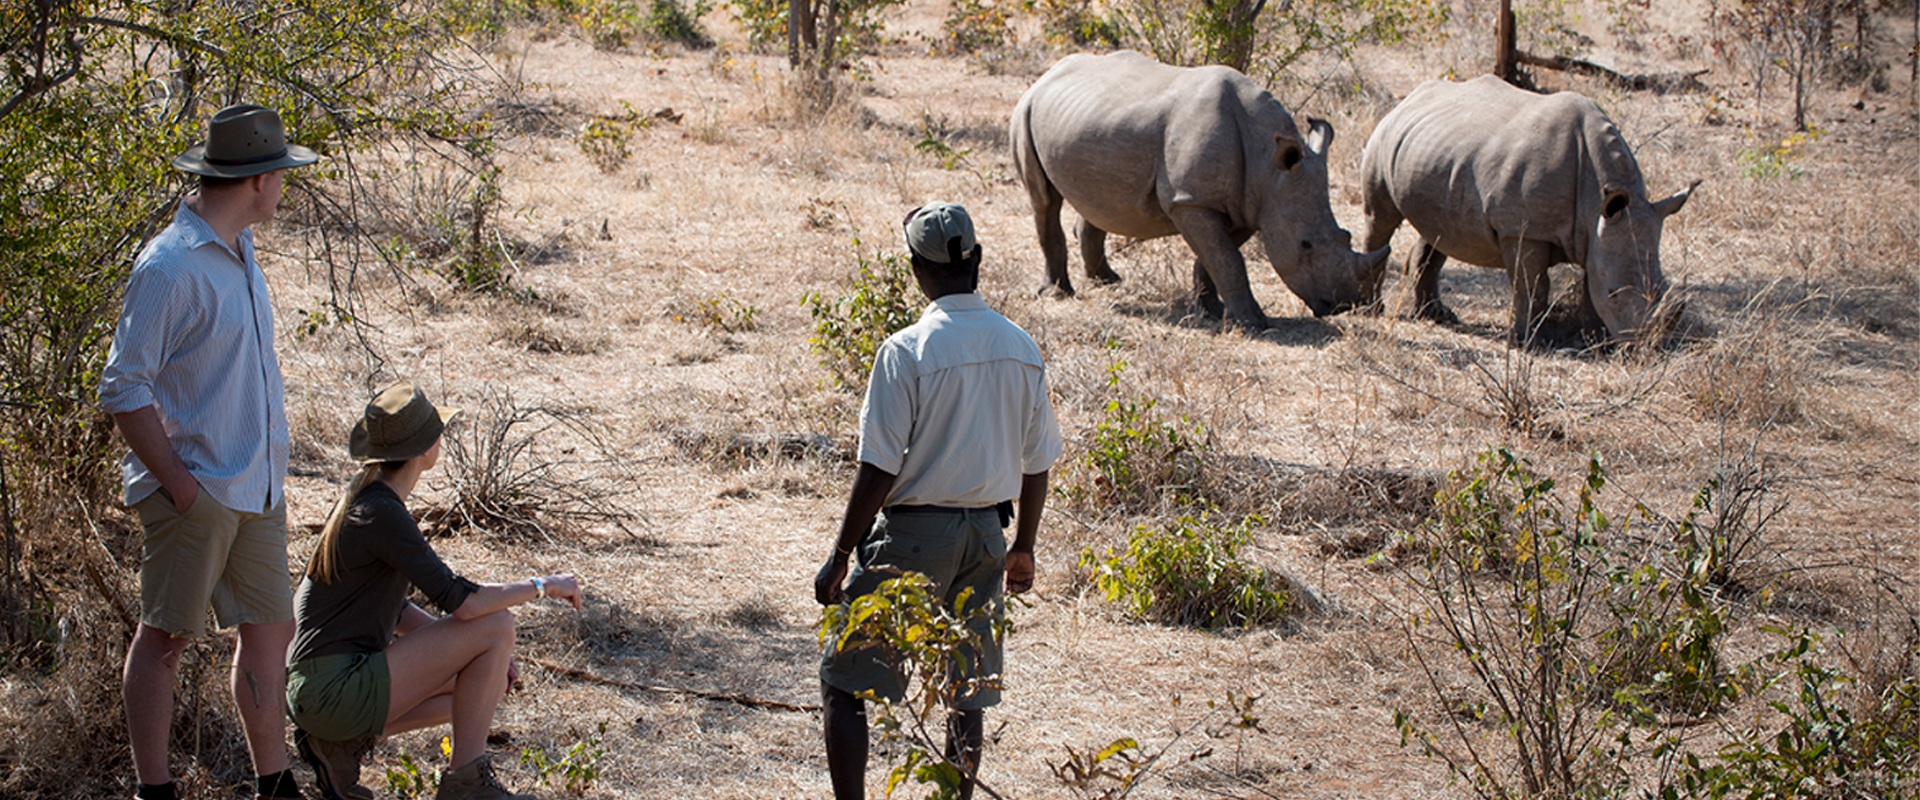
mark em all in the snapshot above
pixel 336 765
pixel 475 781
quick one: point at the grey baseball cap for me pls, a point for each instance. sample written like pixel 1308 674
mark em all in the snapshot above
pixel 931 227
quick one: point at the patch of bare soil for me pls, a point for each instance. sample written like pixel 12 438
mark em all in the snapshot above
pixel 1802 363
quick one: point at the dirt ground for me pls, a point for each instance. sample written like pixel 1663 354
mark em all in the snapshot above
pixel 1802 289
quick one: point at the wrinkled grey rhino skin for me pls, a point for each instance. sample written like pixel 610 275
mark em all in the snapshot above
pixel 1501 177
pixel 1144 150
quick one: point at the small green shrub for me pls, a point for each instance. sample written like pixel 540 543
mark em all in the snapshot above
pixel 929 646
pixel 610 25
pixel 577 770
pixel 1585 645
pixel 974 26
pixel 1136 460
pixel 1191 572
pixel 1769 161
pixel 1823 747
pixel 608 141
pixel 848 330
pixel 409 780
pixel 1074 22
pixel 669 21
pixel 950 157
pixel 721 312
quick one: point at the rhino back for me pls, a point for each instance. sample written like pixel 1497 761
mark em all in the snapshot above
pixel 1470 163
pixel 1123 137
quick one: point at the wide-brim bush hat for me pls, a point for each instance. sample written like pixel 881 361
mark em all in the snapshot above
pixel 243 141
pixel 935 230
pixel 399 423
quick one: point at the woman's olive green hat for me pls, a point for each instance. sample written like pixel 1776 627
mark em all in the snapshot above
pixel 399 423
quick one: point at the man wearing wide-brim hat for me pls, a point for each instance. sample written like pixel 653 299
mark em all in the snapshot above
pixel 194 387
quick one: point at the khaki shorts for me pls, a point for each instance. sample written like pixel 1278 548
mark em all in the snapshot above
pixel 212 555
pixel 958 551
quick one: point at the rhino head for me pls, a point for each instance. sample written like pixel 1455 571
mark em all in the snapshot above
pixel 1309 250
pixel 1624 280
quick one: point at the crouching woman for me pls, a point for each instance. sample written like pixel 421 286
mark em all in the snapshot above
pixel 366 663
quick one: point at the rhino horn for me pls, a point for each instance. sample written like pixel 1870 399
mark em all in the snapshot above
pixel 1671 205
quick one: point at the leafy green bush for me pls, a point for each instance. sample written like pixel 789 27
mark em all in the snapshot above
pixel 1074 22
pixel 1580 654
pixel 1191 572
pixel 1136 460
pixel 973 26
pixel 721 312
pixel 1232 32
pixel 670 21
pixel 848 330
pixel 1822 747
pixel 929 646
pixel 577 770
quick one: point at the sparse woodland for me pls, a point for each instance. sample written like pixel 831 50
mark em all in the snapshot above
pixel 644 245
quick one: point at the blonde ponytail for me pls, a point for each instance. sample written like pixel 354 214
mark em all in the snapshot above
pixel 325 566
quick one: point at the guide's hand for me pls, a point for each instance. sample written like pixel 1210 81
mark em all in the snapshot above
pixel 826 584
pixel 1019 571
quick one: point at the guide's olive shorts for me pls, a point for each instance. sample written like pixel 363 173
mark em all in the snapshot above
pixel 958 549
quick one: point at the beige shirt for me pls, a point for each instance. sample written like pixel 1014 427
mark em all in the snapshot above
pixel 957 408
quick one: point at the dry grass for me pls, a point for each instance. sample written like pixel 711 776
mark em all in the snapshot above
pixel 1796 357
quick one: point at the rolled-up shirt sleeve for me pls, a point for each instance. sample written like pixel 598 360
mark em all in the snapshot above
pixel 149 323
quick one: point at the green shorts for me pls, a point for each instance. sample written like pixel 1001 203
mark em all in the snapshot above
pixel 958 551
pixel 215 556
pixel 339 698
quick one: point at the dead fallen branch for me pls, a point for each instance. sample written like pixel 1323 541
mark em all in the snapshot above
pixel 719 697
pixel 1658 82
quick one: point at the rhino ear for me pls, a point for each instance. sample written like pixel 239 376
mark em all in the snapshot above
pixel 1286 152
pixel 1614 201
pixel 1319 135
pixel 1671 205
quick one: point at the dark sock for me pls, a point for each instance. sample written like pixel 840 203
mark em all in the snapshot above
pixel 279 784
pixel 153 791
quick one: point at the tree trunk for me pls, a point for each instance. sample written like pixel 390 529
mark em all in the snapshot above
pixel 1505 50
pixel 1235 44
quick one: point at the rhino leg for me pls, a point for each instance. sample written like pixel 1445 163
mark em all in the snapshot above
pixel 1383 218
pixel 1527 264
pixel 1427 261
pixel 1218 251
pixel 1205 294
pixel 1093 253
pixel 1053 239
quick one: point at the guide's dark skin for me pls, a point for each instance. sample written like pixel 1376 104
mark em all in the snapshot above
pixel 843 715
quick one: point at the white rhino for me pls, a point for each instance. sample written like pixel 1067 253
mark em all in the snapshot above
pixel 1501 177
pixel 1144 150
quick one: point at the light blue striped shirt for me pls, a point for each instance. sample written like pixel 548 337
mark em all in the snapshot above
pixel 196 339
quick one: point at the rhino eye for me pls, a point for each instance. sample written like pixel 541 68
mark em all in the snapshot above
pixel 1306 245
